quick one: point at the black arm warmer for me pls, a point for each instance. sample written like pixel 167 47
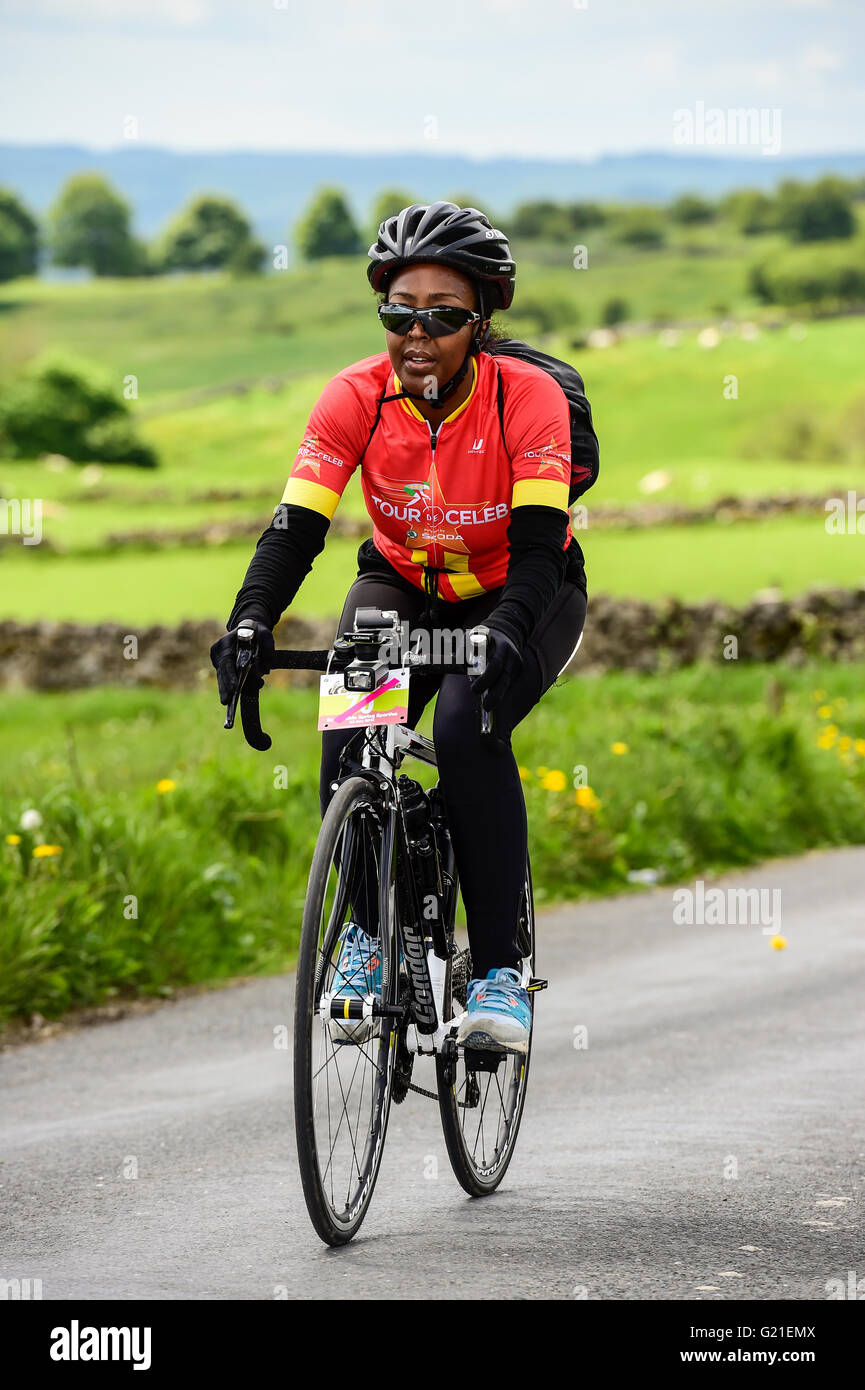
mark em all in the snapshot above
pixel 536 570
pixel 282 560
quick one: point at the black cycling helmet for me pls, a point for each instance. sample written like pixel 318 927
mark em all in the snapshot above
pixel 446 235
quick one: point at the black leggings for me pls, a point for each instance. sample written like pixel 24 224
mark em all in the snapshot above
pixel 479 778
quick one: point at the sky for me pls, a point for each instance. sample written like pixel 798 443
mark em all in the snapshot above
pixel 560 78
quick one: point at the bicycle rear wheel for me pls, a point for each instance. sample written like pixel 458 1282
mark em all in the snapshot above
pixel 481 1096
pixel 343 1072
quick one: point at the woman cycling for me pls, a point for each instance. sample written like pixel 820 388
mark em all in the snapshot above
pixel 469 505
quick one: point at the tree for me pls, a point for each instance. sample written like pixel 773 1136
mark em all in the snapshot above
pixel 751 211
pixel 821 211
pixel 62 406
pixel 804 276
pixel 584 215
pixel 388 203
pixel 327 228
pixel 89 226
pixel 207 234
pixel 689 209
pixel 19 238
pixel 547 313
pixel 248 259
pixel 641 227
pixel 541 219
pixel 614 311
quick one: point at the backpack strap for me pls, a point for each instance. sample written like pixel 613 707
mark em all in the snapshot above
pixel 500 402
pixel 382 400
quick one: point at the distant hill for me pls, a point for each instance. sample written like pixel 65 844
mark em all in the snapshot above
pixel 273 187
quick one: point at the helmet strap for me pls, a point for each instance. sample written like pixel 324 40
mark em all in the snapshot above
pixel 443 392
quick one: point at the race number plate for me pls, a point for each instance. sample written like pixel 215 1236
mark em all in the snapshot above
pixel 339 708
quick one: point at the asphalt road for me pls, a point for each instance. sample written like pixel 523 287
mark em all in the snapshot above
pixel 707 1144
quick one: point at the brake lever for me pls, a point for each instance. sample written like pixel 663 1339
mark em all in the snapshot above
pixel 245 639
pixel 478 645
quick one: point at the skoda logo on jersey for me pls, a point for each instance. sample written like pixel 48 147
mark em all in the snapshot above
pixel 477 447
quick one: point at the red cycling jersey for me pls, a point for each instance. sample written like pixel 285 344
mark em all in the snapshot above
pixel 442 500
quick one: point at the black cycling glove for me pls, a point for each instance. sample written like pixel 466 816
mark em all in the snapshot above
pixel 223 655
pixel 503 664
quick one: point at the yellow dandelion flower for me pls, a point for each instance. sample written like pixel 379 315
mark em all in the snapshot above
pixel 554 781
pixel 525 773
pixel 778 943
pixel 825 711
pixel 826 740
pixel 541 771
pixel 845 744
pixel 618 748
pixel 859 745
pixel 46 851
pixel 585 797
pixel 13 839
pixel 164 785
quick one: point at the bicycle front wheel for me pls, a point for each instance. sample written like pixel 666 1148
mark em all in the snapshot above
pixel 343 1053
pixel 481 1095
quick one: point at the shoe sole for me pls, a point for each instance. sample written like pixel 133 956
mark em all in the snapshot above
pixel 486 1042
pixel 355 1033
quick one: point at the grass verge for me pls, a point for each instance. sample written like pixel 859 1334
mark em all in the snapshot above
pixel 172 855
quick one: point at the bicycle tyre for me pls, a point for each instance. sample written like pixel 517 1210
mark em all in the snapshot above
pixel 481 1178
pixel 357 795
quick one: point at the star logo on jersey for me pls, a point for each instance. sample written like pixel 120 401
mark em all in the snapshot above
pixel 551 460
pixel 432 521
pixel 309 446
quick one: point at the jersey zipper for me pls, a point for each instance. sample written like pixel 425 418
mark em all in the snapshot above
pixel 434 439
pixel 431 574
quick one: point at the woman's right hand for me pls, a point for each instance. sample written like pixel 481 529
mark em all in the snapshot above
pixel 223 655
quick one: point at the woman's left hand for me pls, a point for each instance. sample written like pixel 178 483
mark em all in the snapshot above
pixel 504 663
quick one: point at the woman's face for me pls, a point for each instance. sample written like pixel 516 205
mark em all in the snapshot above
pixel 416 358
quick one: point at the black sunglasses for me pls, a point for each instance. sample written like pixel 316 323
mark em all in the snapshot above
pixel 436 323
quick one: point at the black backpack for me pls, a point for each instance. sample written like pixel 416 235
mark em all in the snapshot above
pixel 584 441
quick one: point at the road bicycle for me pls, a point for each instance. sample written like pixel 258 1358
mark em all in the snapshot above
pixel 384 863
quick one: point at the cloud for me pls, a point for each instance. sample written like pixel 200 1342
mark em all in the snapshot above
pixel 181 13
pixel 818 58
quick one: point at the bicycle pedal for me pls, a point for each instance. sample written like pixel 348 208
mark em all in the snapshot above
pixel 535 984
pixel 482 1059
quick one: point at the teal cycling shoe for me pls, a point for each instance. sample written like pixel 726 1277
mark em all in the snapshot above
pixel 498 1014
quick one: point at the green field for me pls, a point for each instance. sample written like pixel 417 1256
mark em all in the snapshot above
pixel 145 890
pixel 730 563
pixel 658 410
pixel 183 332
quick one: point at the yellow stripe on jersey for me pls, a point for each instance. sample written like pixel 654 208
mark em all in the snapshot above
pixel 303 493
pixel 466 585
pixel 540 492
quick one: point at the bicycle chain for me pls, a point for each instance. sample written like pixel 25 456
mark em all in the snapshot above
pixel 430 1095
